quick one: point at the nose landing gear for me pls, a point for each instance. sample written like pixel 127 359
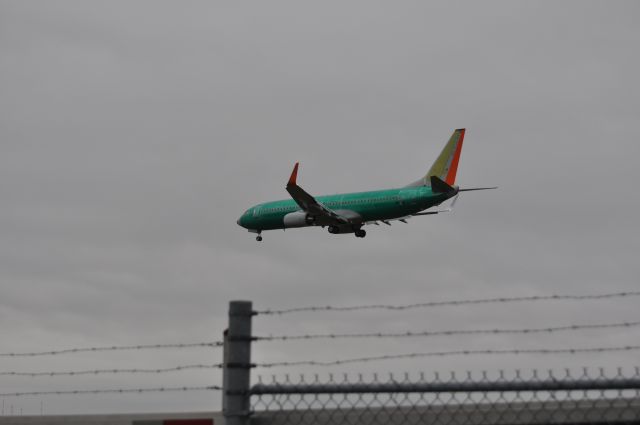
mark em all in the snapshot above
pixel 360 233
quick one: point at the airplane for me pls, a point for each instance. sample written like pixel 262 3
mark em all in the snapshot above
pixel 349 212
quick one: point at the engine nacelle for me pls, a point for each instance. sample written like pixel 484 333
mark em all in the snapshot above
pixel 298 219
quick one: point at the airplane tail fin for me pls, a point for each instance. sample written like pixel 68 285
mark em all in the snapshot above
pixel 446 166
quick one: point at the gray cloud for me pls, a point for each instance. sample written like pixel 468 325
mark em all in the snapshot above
pixel 133 135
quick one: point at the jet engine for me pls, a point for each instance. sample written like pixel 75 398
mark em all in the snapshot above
pixel 298 219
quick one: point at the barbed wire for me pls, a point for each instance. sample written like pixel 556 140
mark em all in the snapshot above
pixel 112 391
pixel 408 334
pixel 450 353
pixel 449 303
pixel 113 371
pixel 113 348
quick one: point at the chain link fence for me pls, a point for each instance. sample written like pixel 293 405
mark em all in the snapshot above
pixel 590 397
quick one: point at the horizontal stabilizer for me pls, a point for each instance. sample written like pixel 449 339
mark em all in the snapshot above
pixel 477 188
pixel 439 186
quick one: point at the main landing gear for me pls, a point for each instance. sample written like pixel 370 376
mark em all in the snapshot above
pixel 259 237
pixel 360 233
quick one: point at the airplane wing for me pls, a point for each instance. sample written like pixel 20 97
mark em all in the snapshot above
pixel 309 204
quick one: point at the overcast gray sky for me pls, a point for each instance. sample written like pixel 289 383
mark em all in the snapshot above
pixel 133 134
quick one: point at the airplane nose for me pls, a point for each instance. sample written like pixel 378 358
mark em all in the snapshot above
pixel 239 221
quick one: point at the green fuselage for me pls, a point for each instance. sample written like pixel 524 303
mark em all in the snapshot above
pixel 369 206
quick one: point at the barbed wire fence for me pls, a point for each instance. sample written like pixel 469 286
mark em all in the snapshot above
pixel 466 302
pixel 404 334
pixel 110 348
pixel 112 391
pixel 508 399
pixel 505 399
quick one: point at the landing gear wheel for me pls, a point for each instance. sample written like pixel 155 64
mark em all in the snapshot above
pixel 259 238
pixel 360 233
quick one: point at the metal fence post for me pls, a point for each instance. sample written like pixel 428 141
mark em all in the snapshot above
pixel 237 364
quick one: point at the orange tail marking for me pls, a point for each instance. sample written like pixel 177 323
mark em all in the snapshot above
pixel 451 176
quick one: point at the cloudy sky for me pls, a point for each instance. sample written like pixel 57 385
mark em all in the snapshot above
pixel 133 134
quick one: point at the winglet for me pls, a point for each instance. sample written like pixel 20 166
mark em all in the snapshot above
pixel 294 176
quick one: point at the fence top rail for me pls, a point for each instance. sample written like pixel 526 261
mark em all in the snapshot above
pixel 432 387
